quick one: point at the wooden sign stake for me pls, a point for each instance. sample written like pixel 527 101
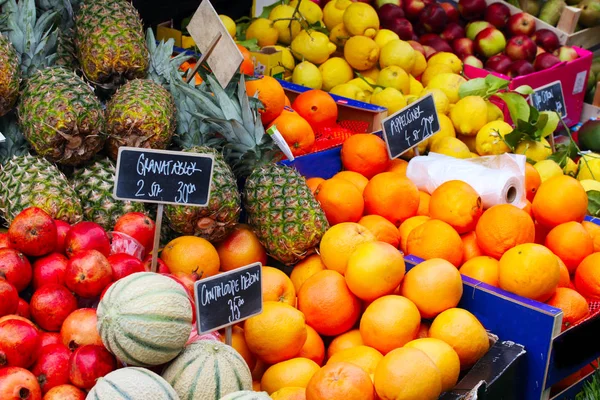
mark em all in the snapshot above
pixel 157 227
pixel 228 339
pixel 552 144
pixel 204 56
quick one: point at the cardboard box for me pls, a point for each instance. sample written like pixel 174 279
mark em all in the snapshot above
pixel 268 62
pixel 165 31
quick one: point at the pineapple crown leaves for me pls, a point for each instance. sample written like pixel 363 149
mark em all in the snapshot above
pixel 163 68
pixel 65 10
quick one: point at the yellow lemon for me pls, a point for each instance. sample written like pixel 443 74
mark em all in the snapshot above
pixel 440 99
pixel 389 98
pixel 420 64
pixel 361 52
pixel 263 31
pixel 589 167
pixel 333 13
pixel 449 83
pixel 372 73
pixel 469 115
pixel 422 147
pixel 451 146
pixel 361 19
pixel 309 10
pixel 446 129
pixel 350 91
pixel 415 87
pixel 339 35
pixel 411 98
pixel 399 53
pixel 433 71
pixel 384 36
pixel 548 169
pixel 535 151
pixel 470 141
pixel 490 138
pixel 552 123
pixel 366 84
pixel 281 16
pixel 335 71
pixel 287 59
pixel 570 167
pixel 307 74
pixel 474 155
pixel 312 46
pixel 590 184
pixel 494 113
pixel 229 25
pixel 395 77
pixel 449 59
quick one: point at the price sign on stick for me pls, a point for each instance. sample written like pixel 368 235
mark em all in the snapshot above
pixel 228 298
pixel 410 126
pixel 550 98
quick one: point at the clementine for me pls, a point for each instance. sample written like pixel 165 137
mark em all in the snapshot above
pixel 296 132
pixel 532 181
pixel 594 231
pixel 340 200
pixel 587 277
pixel 558 200
pixel 366 154
pixel 565 277
pixel 313 183
pixel 502 227
pixel 443 356
pixel 340 241
pixel 435 239
pixel 191 254
pixel 295 372
pixel 362 356
pixel 344 341
pixel 406 228
pixel 305 269
pixel 354 178
pixel 391 196
pixel 317 107
pixel 573 305
pixel 240 248
pixel 383 229
pixel 314 348
pixel 247 66
pixel 340 381
pixel 470 247
pixel 425 200
pixel 276 286
pixel 571 242
pixel 397 165
pixel 271 95
pixel 238 342
pixel 456 203
pixel 482 268
pixel 527 208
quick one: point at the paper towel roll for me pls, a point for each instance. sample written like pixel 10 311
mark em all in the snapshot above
pixel 497 179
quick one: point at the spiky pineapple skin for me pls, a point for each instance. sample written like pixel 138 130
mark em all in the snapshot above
pixel 60 117
pixel 94 185
pixel 216 220
pixel 30 181
pixel 283 213
pixel 140 114
pixel 9 75
pixel 110 41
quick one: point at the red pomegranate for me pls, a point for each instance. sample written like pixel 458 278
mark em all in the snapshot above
pixel 89 363
pixel 9 298
pixel 19 318
pixel 62 228
pixel 52 366
pixel 18 384
pixel 123 264
pixel 188 281
pixel 88 273
pixel 23 309
pixel 79 329
pixel 15 268
pixel 86 236
pixel 65 392
pixel 194 336
pixel 33 232
pixel 4 240
pixel 161 266
pixel 19 344
pixel 49 338
pixel 139 226
pixel 49 269
pixel 51 305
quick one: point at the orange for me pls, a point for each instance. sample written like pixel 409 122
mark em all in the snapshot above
pixel 443 356
pixel 482 268
pixel 374 270
pixel 435 239
pixel 240 248
pixel 313 183
pixel 247 66
pixel 392 196
pixel 191 254
pixel 540 233
pixel 529 270
pixel 271 95
pixel 288 103
pixel 340 381
pixel 340 200
pixel 558 200
pixel 397 165
pixel 238 342
pixel 407 374
pixel 587 277
pixel 295 372
pixel 565 277
pixel 571 242
pixel 434 286
pixel 463 332
pixel 305 269
pixel 573 305
pixel 340 241
pixel 276 286
pixel 424 202
pixel 363 356
pixel 329 306
pixel 366 154
pixel 259 370
pixel 314 348
pixel 502 227
pixel 317 107
pixel 277 334
pixel 290 393
pixel 527 208
pixel 532 181
pixel 594 231
pixel 383 229
pixel 456 203
pixel 345 341
pixel 354 178
pixel 470 247
pixel 406 228
pixel 389 322
pixel 296 132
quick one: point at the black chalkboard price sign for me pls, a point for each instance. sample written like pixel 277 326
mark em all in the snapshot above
pixel 549 98
pixel 410 126
pixel 162 176
pixel 225 299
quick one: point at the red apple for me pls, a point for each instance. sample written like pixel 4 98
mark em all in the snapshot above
pixel 433 18
pixel 497 14
pixel 520 67
pixel 23 309
pixel 161 266
pixel 19 384
pixel 452 32
pixel 473 28
pixel 402 27
pixel 49 338
pixel 463 47
pixel 566 53
pixel 80 329
pixel 471 9
pixel 88 273
pixel 546 39
pixel 4 240
pixel 52 366
pixel 49 269
pixel 139 226
pixel 88 363
pixel 19 344
pixel 87 236
pixel 473 61
pixel 433 40
pixel 429 51
pixel 545 61
pixel 123 265
pixel 188 280
pixel 451 12
pixel 33 232
pixel 521 24
pixel 15 268
pixel 499 63
pixel 413 8
pixel 521 47
pixel 489 42
pixel 9 298
pixel 62 228
pixel 51 305
pixel 65 392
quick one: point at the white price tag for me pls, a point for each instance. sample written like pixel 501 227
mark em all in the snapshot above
pixel 579 82
pixel 2 138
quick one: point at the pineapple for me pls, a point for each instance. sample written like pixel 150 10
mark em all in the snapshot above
pixel 140 114
pixel 10 74
pixel 94 185
pixel 60 117
pixel 110 42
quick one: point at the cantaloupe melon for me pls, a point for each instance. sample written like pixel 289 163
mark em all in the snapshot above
pixel 132 384
pixel 208 370
pixel 145 319
pixel 246 395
